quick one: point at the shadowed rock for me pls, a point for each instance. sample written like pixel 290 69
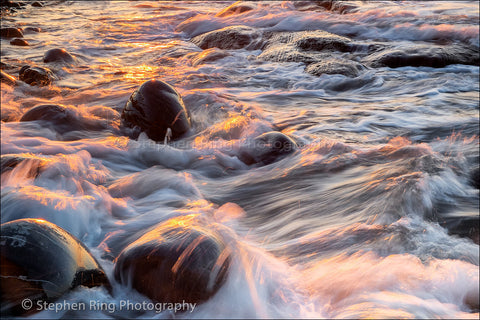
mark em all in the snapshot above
pixel 425 55
pixel 32 30
pixel 19 42
pixel 10 162
pixel 41 261
pixel 153 108
pixel 303 46
pixel 180 259
pixel 475 177
pixel 345 67
pixel 58 55
pixel 62 119
pixel 7 79
pixel 11 33
pixel 267 148
pixel 234 37
pixel 208 55
pixel 236 8
pixel 36 76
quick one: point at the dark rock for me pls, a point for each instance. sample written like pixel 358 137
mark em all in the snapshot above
pixel 9 162
pixel 153 108
pixel 180 259
pixel 58 55
pixel 60 118
pixel 32 30
pixel 348 68
pixel 475 177
pixel 19 42
pixel 208 55
pixel 267 148
pixel 41 261
pixel 463 226
pixel 236 8
pixel 10 4
pixel 37 4
pixel 303 46
pixel 425 55
pixel 36 76
pixel 11 33
pixel 313 5
pixel 7 79
pixel 234 37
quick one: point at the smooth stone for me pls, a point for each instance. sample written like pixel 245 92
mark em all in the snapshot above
pixel 62 119
pixel 475 177
pixel 10 4
pixel 153 108
pixel 37 4
pixel 345 67
pixel 233 37
pixel 19 42
pixel 36 76
pixel 10 162
pixel 208 55
pixel 32 30
pixel 7 79
pixel 267 148
pixel 58 55
pixel 424 56
pixel 303 46
pixel 11 33
pixel 41 261
pixel 180 259
pixel 236 8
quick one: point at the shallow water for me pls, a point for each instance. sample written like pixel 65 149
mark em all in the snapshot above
pixel 374 216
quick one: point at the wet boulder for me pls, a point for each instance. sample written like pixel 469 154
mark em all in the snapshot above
pixel 208 55
pixel 37 4
pixel 7 79
pixel 32 30
pixel 424 56
pixel 475 177
pixel 61 119
pixel 11 161
pixel 180 259
pixel 154 108
pixel 236 8
pixel 267 148
pixel 58 55
pixel 36 76
pixel 229 38
pixel 41 261
pixel 303 46
pixel 11 32
pixel 345 67
pixel 19 42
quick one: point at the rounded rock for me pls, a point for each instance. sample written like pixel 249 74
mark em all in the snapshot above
pixel 19 42
pixel 11 33
pixel 179 259
pixel 267 148
pixel 36 76
pixel 41 261
pixel 58 55
pixel 154 107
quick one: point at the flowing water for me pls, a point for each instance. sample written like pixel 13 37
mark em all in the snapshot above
pixel 374 216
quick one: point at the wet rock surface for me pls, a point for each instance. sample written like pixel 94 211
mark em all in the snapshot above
pixel 345 67
pixel 154 108
pixel 208 55
pixel 36 76
pixel 58 55
pixel 235 9
pixel 180 259
pixel 19 42
pixel 41 261
pixel 61 119
pixel 10 32
pixel 7 79
pixel 234 37
pixel 425 55
pixel 267 148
